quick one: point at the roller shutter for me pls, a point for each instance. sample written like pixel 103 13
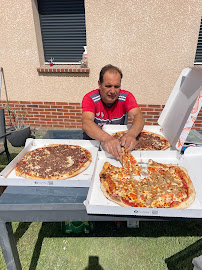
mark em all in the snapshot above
pixel 63 29
pixel 198 57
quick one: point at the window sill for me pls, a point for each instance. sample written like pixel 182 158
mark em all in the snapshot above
pixel 63 69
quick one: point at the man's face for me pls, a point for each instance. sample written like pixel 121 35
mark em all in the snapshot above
pixel 110 88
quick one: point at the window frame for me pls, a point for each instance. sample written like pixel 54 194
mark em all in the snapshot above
pixel 76 28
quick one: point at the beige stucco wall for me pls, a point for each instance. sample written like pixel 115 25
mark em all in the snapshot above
pixel 151 41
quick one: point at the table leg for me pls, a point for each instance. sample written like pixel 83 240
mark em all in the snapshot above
pixel 8 246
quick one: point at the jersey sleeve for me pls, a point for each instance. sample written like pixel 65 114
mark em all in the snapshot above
pixel 130 102
pixel 88 104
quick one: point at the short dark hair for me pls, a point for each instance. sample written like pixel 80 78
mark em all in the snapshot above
pixel 107 68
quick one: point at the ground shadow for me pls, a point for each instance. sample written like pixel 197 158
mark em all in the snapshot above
pixel 21 229
pixel 183 259
pixel 48 229
pixel 146 229
pixel 54 230
pixel 93 264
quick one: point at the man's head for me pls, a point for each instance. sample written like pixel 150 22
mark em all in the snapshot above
pixel 109 84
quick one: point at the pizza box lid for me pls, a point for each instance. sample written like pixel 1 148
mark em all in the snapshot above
pixel 8 176
pixel 182 107
pixel 97 203
pixel 180 111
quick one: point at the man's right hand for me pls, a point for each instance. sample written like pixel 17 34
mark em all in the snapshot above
pixel 112 146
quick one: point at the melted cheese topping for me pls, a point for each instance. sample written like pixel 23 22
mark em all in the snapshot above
pixel 164 187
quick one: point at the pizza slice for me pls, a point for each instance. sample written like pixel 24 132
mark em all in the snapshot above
pixel 114 182
pixel 117 186
pixel 129 163
pixel 173 185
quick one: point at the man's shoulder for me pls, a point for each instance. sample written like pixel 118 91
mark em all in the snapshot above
pixel 123 94
pixel 92 92
pixel 94 95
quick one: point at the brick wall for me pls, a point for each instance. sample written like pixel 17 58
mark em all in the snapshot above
pixel 64 115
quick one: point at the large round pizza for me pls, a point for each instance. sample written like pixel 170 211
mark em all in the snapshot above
pixel 163 186
pixel 55 161
pixel 146 140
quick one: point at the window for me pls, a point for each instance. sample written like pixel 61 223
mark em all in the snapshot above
pixel 198 57
pixel 63 30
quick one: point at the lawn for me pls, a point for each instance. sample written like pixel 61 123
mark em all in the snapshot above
pixel 154 245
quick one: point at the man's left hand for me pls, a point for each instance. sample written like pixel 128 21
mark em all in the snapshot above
pixel 128 142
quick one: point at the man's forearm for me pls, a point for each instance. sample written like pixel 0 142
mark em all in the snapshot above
pixel 111 144
pixel 137 125
pixel 95 132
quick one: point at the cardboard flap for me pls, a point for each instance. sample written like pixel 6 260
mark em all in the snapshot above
pixel 180 104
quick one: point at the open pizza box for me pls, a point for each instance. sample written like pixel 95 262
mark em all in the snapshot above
pixel 180 111
pixel 8 176
pixel 175 123
pixel 97 203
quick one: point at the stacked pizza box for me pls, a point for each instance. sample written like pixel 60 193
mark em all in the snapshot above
pixel 175 124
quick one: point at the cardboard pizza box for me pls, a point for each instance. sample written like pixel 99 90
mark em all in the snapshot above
pixel 182 107
pixel 180 111
pixel 97 203
pixel 8 176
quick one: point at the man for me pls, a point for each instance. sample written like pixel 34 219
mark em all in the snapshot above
pixel 109 105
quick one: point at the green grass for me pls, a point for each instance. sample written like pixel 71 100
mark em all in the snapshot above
pixel 155 245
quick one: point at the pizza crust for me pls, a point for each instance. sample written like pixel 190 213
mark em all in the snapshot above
pixel 191 191
pixel 104 185
pixel 111 197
